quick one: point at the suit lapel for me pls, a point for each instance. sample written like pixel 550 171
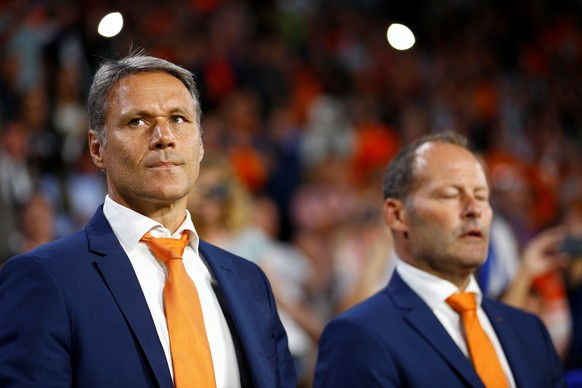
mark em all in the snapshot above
pixel 508 339
pixel 121 280
pixel 423 320
pixel 221 267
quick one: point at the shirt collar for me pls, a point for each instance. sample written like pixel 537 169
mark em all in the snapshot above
pixel 129 226
pixel 432 289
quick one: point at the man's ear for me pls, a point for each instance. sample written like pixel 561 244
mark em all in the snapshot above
pixel 201 151
pixel 395 215
pixel 95 149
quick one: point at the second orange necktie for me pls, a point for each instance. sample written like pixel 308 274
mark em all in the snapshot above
pixel 481 349
pixel 191 356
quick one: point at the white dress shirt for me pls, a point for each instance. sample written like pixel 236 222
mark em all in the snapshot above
pixel 129 227
pixel 434 291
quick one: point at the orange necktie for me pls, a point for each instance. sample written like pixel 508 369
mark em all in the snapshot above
pixel 191 356
pixel 481 349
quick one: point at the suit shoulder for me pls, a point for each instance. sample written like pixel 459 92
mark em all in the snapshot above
pixel 57 251
pixel 507 309
pixel 212 251
pixel 517 316
pixel 376 310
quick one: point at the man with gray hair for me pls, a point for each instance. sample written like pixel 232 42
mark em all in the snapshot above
pixel 136 298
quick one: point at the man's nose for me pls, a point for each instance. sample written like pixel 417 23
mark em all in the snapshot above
pixel 473 207
pixel 162 136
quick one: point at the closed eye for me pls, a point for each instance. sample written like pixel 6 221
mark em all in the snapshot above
pixel 449 194
pixel 482 195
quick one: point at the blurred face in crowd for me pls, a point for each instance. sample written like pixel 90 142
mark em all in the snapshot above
pixel 442 226
pixel 209 199
pixel 153 148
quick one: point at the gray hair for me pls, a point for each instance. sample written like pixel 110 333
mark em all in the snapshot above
pixel 112 71
pixel 399 179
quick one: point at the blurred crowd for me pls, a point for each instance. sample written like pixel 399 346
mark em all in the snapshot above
pixel 304 104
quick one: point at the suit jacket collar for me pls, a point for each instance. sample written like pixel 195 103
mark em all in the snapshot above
pixel 120 277
pixel 220 264
pixel 508 339
pixel 118 274
pixel 418 315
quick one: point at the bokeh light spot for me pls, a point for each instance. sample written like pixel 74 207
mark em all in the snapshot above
pixel 400 37
pixel 110 25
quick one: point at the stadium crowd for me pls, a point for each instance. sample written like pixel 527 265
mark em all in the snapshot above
pixel 304 104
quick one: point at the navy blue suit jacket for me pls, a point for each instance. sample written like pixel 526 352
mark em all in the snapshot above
pixel 72 313
pixel 393 339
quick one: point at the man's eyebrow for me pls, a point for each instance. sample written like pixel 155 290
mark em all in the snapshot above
pixel 147 113
pixel 136 112
pixel 180 110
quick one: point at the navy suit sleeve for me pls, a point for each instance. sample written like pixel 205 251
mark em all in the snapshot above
pixel 351 356
pixel 34 329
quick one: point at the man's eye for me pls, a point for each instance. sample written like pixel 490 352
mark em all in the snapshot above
pixel 177 119
pixel 482 197
pixel 135 122
pixel 449 194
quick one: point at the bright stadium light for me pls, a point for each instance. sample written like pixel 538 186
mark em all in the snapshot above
pixel 400 37
pixel 110 25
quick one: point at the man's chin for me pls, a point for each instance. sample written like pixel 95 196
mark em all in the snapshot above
pixel 474 262
pixel 470 260
pixel 475 255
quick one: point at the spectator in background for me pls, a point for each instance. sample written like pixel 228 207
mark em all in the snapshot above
pixel 69 117
pixel 73 193
pixel 16 183
pixel 573 279
pixel 290 273
pixel 36 226
pixel 539 286
pixel 16 177
pixel 503 258
pixel 221 206
pixel 321 205
pixel 329 134
pixel 526 271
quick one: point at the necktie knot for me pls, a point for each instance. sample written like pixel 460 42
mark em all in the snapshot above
pixel 462 302
pixel 166 249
